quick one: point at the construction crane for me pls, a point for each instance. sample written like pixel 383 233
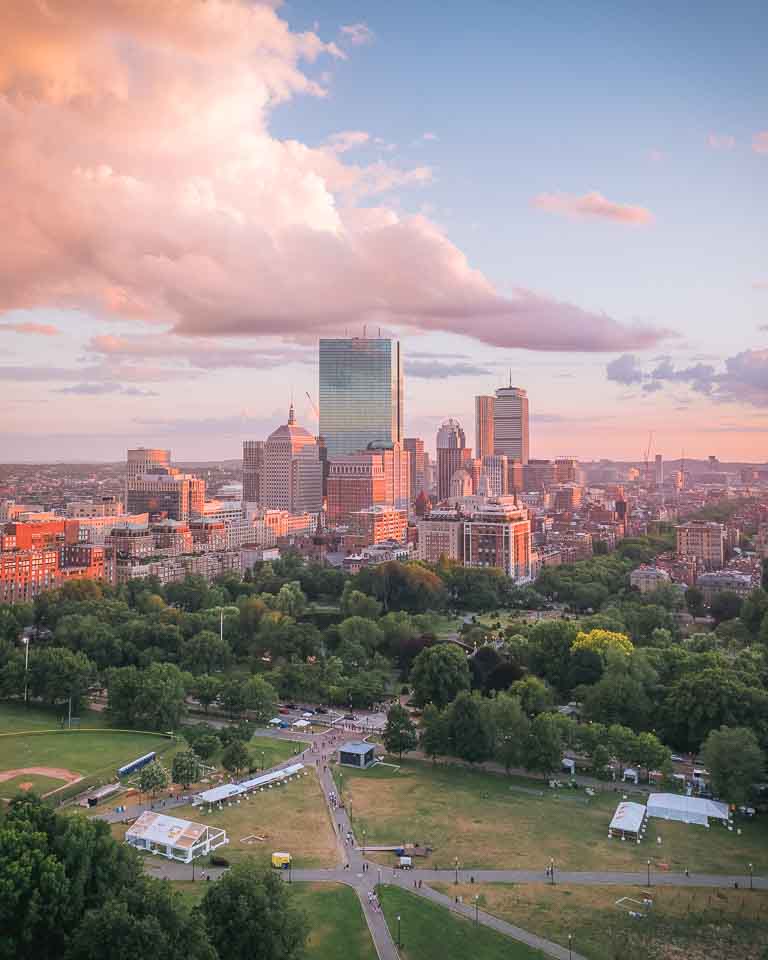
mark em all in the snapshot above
pixel 647 456
pixel 314 407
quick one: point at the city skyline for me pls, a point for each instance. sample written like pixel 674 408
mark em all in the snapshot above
pixel 579 207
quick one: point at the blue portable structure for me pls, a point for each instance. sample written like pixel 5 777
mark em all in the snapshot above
pixel 137 764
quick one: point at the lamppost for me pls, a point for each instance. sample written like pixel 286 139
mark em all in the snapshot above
pixel 262 762
pixel 290 871
pixel 193 871
pixel 25 641
pixel 649 873
pixel 456 865
pixel 570 944
pixel 363 842
pixel 477 909
pixel 379 872
pixel 552 870
pixel 750 877
pixel 399 941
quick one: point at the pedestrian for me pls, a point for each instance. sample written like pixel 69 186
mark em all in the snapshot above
pixel 686 872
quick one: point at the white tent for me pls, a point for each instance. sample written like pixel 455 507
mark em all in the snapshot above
pixel 671 806
pixel 301 724
pixel 628 819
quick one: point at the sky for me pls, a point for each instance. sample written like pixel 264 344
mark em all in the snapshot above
pixel 570 196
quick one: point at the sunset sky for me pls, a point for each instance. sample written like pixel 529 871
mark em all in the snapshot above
pixel 193 192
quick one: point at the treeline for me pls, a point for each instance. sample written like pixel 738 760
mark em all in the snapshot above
pixel 71 892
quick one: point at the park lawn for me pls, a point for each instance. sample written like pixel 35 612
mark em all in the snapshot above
pixel 293 817
pixel 695 923
pixel 15 717
pixel 272 750
pixel 81 751
pixel 39 785
pixel 431 932
pixel 336 921
pixel 337 925
pixel 488 820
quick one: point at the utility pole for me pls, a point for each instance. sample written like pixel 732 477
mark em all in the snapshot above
pixel 25 641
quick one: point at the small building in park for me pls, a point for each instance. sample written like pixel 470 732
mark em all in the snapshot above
pixel 357 754
pixel 176 839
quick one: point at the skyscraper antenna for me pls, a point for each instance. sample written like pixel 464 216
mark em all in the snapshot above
pixel 510 376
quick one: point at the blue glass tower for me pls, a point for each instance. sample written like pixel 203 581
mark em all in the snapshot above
pixel 361 393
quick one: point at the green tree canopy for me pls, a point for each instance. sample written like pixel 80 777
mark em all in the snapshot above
pixel 735 761
pixel 439 673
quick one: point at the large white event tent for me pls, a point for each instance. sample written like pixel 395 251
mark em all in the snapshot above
pixel 627 820
pixel 228 790
pixel 672 806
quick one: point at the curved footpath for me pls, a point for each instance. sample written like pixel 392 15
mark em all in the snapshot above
pixel 363 881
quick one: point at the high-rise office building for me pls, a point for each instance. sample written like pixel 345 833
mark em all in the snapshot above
pixel 253 470
pixel 452 453
pixel 361 393
pixel 293 473
pixel 510 423
pixel 484 426
pixel 145 460
pixel 415 447
pixel 495 475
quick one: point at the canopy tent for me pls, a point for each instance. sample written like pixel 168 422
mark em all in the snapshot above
pixel 627 820
pixel 671 806
pixel 228 790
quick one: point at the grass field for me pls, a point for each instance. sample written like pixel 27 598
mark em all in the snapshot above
pixel 336 921
pixel 15 717
pixel 691 923
pixel 293 817
pixel 273 751
pixel 337 925
pixel 82 751
pixel 489 820
pixel 430 932
pixel 39 785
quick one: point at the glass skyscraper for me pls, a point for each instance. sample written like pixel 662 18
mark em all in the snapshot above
pixel 361 393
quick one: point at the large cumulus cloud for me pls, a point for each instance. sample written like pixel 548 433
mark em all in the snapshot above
pixel 140 179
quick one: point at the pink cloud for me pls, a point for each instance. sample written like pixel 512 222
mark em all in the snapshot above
pixel 165 199
pixel 357 34
pixel 760 142
pixel 348 140
pixel 592 205
pixel 29 326
pixel 721 141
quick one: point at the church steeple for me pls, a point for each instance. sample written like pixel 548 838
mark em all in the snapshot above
pixel 291 415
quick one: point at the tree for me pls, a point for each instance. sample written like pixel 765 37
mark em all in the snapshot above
pixel 148 919
pixel 354 603
pixel 56 674
pixel 585 668
pixel 694 601
pixel 550 643
pixel 470 730
pixel 534 695
pixel 542 746
pixel 153 777
pixel 360 631
pixel 725 605
pixel 511 730
pixel 235 757
pixel 206 689
pixel 435 735
pixel 650 752
pixel 603 641
pixel 291 599
pixel 438 674
pixel 260 698
pixel 735 762
pixel 206 746
pixel 185 768
pixel 205 652
pixel 753 611
pixel 399 732
pixel 249 915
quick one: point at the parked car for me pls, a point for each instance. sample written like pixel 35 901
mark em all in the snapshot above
pixel 291 706
pixel 350 716
pixel 321 710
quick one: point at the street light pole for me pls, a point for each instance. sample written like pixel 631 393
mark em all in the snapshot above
pixel 399 941
pixel 649 873
pixel 477 914
pixel 25 641
pixel 750 877
pixel 363 842
pixel 552 870
pixel 456 864
pixel 570 944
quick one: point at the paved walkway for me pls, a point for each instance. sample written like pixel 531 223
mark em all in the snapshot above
pixel 363 875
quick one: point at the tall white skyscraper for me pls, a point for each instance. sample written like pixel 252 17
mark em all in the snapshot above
pixel 510 424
